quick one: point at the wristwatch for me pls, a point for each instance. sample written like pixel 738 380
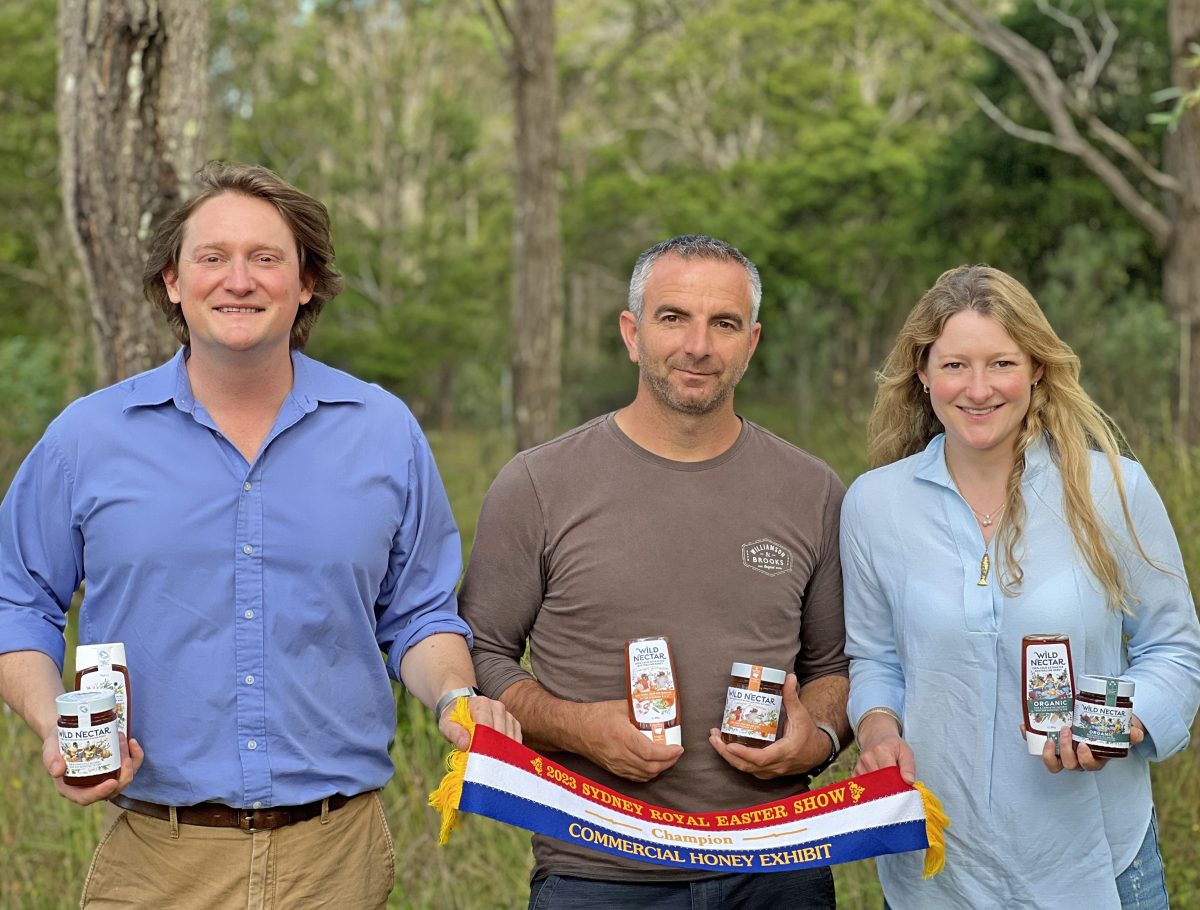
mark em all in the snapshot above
pixel 837 747
pixel 452 696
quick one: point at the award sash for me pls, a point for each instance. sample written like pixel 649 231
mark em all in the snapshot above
pixel 869 815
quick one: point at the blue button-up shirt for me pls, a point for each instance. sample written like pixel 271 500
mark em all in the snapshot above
pixel 256 601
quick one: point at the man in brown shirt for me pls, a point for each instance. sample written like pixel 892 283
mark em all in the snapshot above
pixel 670 517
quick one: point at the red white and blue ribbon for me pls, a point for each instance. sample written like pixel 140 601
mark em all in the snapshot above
pixel 869 815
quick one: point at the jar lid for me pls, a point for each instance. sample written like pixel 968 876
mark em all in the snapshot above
pixel 1106 685
pixel 769 674
pixel 91 701
pixel 92 655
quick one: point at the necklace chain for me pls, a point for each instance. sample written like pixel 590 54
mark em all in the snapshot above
pixel 987 519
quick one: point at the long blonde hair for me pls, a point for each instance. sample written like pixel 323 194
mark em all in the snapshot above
pixel 903 422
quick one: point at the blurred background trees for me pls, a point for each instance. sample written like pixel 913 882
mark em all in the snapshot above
pixel 840 144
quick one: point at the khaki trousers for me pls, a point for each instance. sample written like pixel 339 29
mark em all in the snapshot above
pixel 343 859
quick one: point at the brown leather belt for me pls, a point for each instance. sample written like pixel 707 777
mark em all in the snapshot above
pixel 216 815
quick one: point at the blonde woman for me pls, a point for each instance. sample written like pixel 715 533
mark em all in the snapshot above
pixel 1000 507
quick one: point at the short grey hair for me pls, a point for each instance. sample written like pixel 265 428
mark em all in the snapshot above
pixel 691 246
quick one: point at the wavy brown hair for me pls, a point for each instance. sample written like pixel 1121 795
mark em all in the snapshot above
pixel 306 218
pixel 903 422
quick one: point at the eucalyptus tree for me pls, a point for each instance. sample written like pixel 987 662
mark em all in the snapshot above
pixel 132 91
pixel 1160 191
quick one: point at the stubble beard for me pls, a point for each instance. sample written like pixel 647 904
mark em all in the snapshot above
pixel 660 386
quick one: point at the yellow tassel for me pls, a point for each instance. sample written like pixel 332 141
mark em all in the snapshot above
pixel 936 823
pixel 448 793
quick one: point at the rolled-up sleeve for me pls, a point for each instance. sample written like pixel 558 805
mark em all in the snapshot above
pixel 1163 634
pixel 41 554
pixel 417 598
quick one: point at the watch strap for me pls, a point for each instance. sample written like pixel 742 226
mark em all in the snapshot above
pixel 451 697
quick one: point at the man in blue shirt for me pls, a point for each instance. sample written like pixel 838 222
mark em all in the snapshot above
pixel 270 539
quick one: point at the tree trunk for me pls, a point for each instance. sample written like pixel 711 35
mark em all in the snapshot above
pixel 1181 255
pixel 537 322
pixel 132 81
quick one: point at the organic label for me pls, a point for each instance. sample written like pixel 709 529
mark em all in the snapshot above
pixel 1102 725
pixel 1048 696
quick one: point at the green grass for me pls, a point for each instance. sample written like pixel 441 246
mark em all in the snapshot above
pixel 46 843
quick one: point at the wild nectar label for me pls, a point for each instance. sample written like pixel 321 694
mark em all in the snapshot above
pixel 1047 689
pixel 87 734
pixel 753 702
pixel 653 694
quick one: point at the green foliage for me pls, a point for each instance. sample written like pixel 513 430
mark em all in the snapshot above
pixel 34 251
pixel 32 388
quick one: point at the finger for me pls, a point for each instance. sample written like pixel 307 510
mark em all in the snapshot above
pixel 1066 752
pixel 1087 760
pixel 85 796
pixel 908 766
pixel 1050 756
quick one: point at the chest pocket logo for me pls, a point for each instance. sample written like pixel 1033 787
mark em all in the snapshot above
pixel 767 557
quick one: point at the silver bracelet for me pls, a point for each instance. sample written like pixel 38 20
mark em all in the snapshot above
pixel 451 697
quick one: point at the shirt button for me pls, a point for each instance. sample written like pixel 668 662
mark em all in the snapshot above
pixel 252 745
pixel 249 614
pixel 249 680
pixel 247 549
pixel 247 485
pixel 257 804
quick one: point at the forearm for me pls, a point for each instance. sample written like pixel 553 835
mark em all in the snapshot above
pixel 548 723
pixel 825 701
pixel 29 683
pixel 435 665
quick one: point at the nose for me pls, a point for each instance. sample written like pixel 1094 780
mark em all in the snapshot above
pixel 697 343
pixel 979 388
pixel 237 277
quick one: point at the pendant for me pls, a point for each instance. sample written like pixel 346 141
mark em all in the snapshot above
pixel 984 565
pixel 986 521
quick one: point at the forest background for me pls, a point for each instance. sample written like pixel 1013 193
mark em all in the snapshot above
pixel 844 145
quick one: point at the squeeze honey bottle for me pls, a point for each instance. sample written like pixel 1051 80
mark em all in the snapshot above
pixel 653 690
pixel 753 705
pixel 1047 681
pixel 102 667
pixel 87 737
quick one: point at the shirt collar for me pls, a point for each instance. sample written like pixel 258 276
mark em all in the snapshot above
pixel 931 463
pixel 312 383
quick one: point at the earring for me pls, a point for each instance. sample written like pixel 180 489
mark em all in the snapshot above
pixel 1035 384
pixel 926 389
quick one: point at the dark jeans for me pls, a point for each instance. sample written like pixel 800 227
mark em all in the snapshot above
pixel 803 889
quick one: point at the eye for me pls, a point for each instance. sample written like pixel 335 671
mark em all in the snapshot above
pixel 726 324
pixel 670 317
pixel 267 258
pixel 952 365
pixel 1005 364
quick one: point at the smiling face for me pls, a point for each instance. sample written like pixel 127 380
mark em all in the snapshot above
pixel 694 339
pixel 979 383
pixel 238 279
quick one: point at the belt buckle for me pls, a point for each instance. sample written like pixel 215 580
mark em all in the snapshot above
pixel 246 820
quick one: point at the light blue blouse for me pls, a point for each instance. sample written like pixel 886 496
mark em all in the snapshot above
pixel 944 653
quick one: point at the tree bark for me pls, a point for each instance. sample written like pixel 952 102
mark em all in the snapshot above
pixel 1174 219
pixel 132 95
pixel 1181 254
pixel 537 315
